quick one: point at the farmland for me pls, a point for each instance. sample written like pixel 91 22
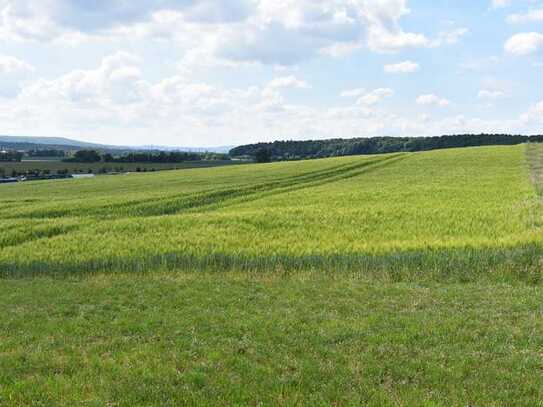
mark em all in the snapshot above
pixel 51 166
pixel 405 278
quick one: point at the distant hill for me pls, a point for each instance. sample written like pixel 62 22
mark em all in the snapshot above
pixel 51 142
pixel 61 143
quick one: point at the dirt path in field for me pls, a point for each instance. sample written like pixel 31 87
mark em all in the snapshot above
pixel 534 155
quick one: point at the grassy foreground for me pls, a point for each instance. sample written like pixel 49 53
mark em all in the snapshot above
pixel 166 339
pixel 392 280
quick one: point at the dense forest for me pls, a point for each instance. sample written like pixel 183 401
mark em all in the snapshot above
pixel 297 150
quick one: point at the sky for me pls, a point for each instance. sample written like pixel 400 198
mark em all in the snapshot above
pixel 229 72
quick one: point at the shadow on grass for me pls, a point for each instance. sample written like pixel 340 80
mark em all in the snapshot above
pixel 521 263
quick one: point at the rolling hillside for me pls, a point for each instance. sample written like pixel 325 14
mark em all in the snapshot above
pixel 409 278
pixel 392 215
pixel 46 141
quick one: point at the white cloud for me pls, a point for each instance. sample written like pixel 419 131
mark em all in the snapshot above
pixel 340 49
pixel 90 17
pixel 114 95
pixel 14 73
pixel 500 3
pixel 450 37
pixel 88 102
pixel 432 100
pixel 288 82
pixel 381 40
pixel 481 64
pixel 274 32
pixel 402 67
pixel 27 20
pixel 507 3
pixel 535 15
pixel 524 43
pixel 384 33
pixel 12 65
pixel 353 93
pixel 490 94
pixel 118 79
pixel 175 110
pixel 272 99
pixel 534 114
pixel 289 31
pixel 375 96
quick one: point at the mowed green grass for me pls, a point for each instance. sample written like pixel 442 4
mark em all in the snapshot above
pixel 411 279
pixel 187 339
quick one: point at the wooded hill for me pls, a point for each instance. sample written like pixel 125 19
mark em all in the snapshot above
pixel 296 150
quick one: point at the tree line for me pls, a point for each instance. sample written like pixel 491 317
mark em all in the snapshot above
pixel 93 156
pixel 297 150
pixel 11 156
pixel 17 156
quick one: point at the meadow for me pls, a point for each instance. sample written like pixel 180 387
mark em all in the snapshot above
pixel 401 279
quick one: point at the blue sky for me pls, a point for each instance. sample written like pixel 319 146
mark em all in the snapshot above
pixel 212 72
